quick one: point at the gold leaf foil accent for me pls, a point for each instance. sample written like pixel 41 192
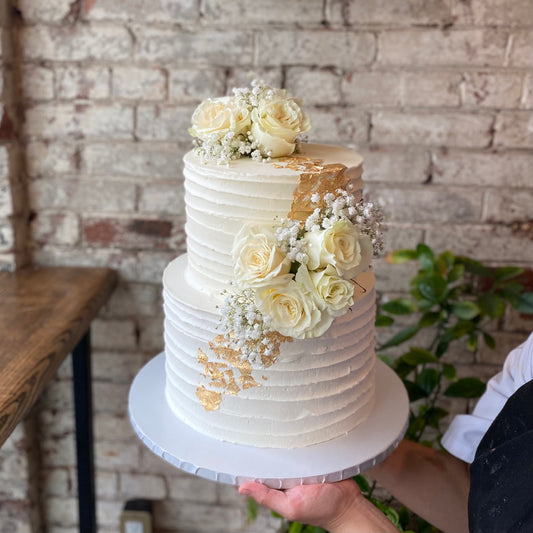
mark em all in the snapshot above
pixel 329 179
pixel 276 339
pixel 221 372
pixel 299 163
pixel 208 398
pixel 315 177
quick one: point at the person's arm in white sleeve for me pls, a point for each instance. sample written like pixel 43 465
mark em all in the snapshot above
pixel 466 431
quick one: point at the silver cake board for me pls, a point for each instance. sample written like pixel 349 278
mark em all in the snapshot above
pixel 183 447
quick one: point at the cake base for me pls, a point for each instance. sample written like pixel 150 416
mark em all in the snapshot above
pixel 171 439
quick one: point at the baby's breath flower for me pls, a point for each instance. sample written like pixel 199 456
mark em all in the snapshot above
pixel 243 325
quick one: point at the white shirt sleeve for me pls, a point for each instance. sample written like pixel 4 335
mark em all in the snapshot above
pixel 466 431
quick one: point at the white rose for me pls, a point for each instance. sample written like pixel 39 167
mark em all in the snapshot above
pixel 219 116
pixel 276 122
pixel 343 246
pixel 257 257
pixel 293 307
pixel 335 292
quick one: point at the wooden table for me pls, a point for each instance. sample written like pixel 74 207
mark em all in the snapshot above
pixel 45 314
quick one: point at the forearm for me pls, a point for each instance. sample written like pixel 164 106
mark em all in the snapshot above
pixel 361 517
pixel 431 483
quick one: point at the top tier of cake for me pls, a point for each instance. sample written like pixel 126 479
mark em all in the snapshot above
pixel 219 199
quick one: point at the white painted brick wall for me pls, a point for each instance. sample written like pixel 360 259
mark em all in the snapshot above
pixel 90 82
pixel 437 96
pixel 86 42
pixel 79 120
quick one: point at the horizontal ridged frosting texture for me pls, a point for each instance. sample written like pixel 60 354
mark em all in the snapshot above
pixel 317 389
pixel 220 199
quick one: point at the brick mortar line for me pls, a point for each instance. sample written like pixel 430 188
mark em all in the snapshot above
pixel 319 25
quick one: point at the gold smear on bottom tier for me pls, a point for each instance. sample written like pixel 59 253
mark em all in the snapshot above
pixel 220 372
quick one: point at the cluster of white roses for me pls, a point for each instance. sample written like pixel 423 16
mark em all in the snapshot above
pixel 259 122
pixel 295 278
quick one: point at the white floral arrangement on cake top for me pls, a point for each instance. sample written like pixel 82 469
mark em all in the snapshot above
pixel 293 279
pixel 260 122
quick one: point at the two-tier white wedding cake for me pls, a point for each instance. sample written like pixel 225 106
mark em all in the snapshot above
pixel 269 317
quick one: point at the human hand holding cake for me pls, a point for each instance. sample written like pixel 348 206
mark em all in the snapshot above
pixel 337 507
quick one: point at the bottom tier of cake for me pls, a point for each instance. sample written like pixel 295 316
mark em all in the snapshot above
pixel 316 390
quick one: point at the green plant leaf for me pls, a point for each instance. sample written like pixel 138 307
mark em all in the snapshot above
pixel 414 391
pixel 462 328
pixel 426 527
pixel 387 359
pixel 428 319
pixel 364 485
pixel 432 287
pixel 447 258
pixel 313 529
pixel 492 305
pixel 399 306
pixel 428 379
pixel 252 509
pixel 392 515
pixel 383 321
pixel 523 303
pixel 425 305
pixel 508 272
pixel 489 340
pixel 457 272
pixel 465 310
pixel 472 342
pixel 511 289
pixel 405 516
pixel 442 347
pixel 401 256
pixel 434 415
pixel 402 368
pixel 470 387
pixel 296 527
pixel 402 336
pixel 448 371
pixel 426 257
pixel 417 356
pixel 475 267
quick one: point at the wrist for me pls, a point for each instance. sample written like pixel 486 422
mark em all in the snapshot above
pixel 361 516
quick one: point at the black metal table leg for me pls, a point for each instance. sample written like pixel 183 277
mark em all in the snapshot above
pixel 81 365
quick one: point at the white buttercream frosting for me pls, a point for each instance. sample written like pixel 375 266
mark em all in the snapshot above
pixel 220 199
pixel 317 389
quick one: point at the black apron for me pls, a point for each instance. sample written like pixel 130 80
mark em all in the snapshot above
pixel 501 487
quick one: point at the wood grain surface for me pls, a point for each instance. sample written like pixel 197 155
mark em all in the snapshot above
pixel 44 312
